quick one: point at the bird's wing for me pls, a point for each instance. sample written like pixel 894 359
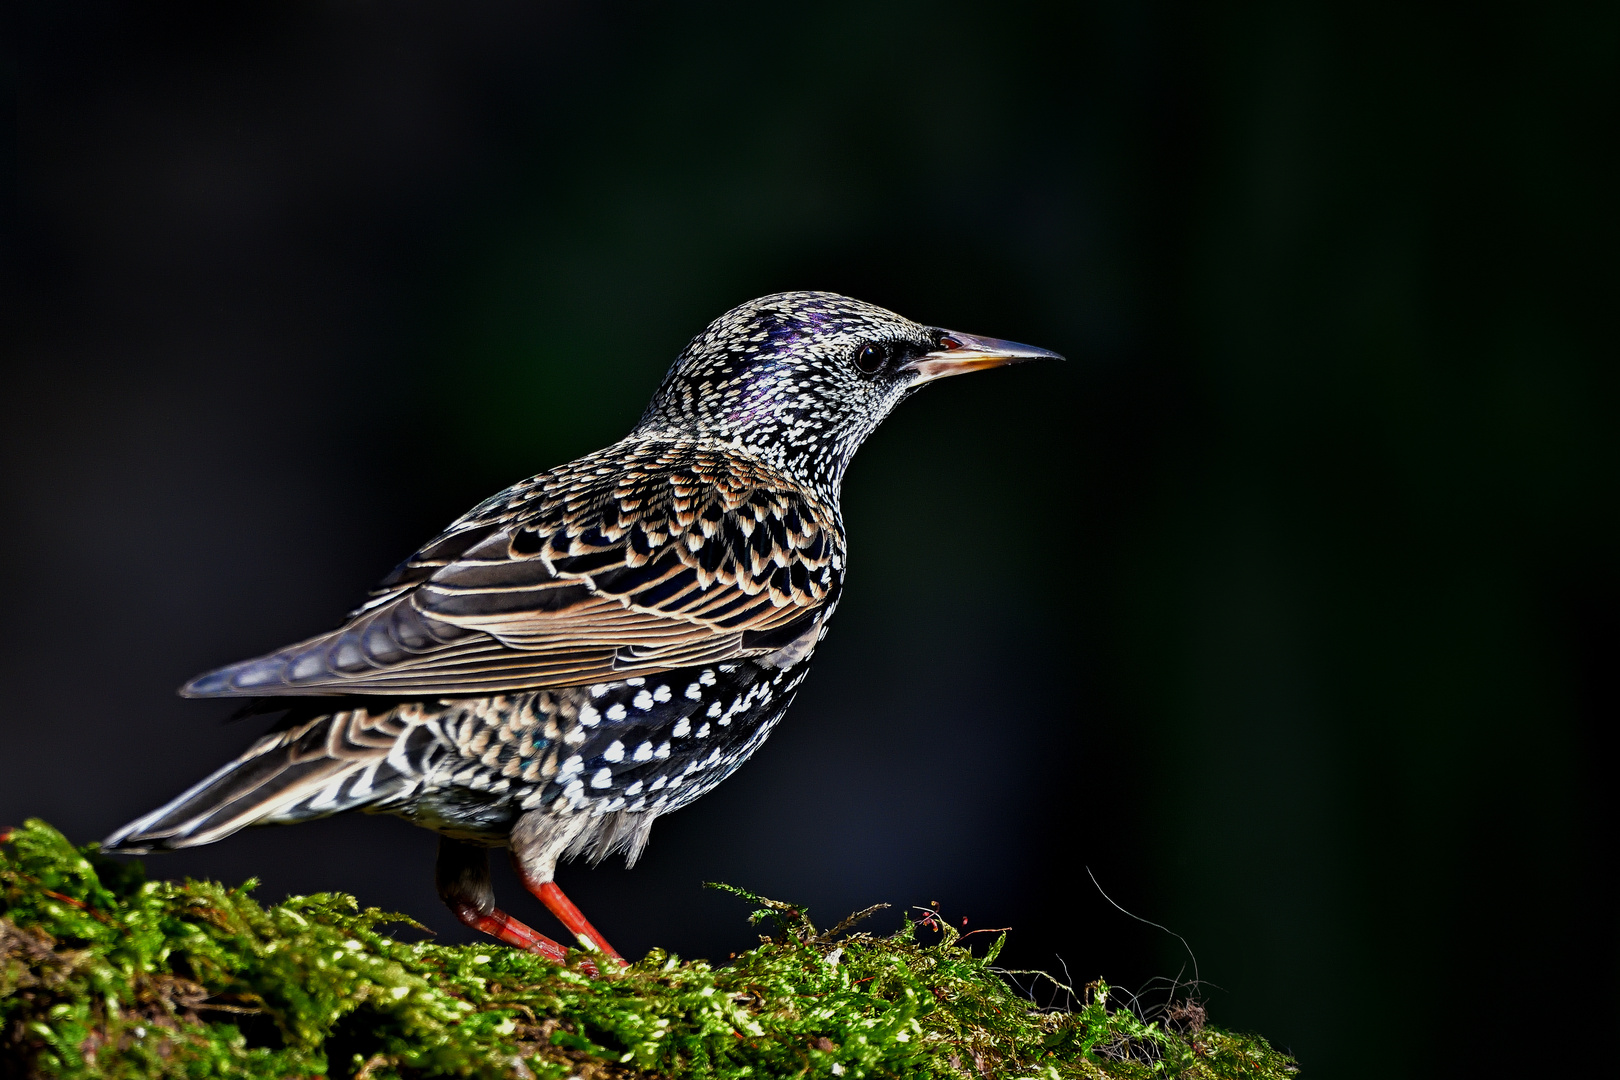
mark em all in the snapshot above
pixel 642 558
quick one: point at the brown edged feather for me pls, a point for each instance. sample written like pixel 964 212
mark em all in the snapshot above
pixel 646 556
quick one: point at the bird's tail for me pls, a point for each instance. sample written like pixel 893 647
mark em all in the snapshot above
pixel 340 761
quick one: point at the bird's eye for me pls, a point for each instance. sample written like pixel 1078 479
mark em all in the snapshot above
pixel 871 357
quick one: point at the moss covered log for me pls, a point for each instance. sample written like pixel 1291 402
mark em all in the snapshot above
pixel 106 974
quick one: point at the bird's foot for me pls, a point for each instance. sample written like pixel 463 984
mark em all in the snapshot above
pixel 502 927
pixel 571 917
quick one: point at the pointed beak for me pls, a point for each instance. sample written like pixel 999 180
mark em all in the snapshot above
pixel 959 353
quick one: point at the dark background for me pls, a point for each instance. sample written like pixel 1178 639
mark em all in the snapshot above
pixel 1287 605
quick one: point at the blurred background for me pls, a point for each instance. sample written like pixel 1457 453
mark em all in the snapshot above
pixel 1287 606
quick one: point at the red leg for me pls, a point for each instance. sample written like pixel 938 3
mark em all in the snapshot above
pixel 462 876
pixel 501 926
pixel 571 917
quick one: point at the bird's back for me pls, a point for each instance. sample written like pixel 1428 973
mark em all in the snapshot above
pixel 613 636
pixel 651 555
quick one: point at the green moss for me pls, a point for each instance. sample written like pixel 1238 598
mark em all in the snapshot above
pixel 105 974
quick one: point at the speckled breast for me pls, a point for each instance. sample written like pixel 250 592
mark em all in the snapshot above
pixel 639 746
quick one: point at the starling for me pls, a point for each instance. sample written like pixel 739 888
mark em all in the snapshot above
pixel 599 644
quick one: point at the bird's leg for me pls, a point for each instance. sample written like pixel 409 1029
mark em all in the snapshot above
pixel 536 843
pixel 571 917
pixel 462 875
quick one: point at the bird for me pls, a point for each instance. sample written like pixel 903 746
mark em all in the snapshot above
pixel 597 645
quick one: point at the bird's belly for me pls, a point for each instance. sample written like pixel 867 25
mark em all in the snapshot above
pixel 638 746
pixel 461 813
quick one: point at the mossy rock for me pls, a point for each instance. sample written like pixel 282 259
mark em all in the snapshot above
pixel 106 974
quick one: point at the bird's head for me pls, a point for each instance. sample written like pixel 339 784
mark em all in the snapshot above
pixel 802 378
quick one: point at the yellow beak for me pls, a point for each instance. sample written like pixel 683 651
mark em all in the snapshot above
pixel 959 353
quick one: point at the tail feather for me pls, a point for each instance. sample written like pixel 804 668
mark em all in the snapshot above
pixel 324 766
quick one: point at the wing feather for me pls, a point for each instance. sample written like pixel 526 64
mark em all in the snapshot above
pixel 647 556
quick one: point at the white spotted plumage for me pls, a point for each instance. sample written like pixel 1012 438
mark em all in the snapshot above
pixel 604 642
